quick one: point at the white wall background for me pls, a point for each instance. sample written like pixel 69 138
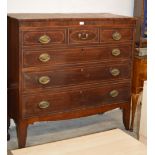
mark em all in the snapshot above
pixel 123 7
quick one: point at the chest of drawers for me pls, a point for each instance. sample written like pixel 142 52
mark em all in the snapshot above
pixel 63 66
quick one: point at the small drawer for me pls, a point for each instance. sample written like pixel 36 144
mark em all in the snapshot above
pixel 75 56
pixel 85 97
pixel 74 76
pixel 84 36
pixel 116 35
pixel 44 37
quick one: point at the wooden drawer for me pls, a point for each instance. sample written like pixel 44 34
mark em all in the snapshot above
pixel 116 35
pixel 76 55
pixel 84 36
pixel 84 97
pixel 44 38
pixel 74 76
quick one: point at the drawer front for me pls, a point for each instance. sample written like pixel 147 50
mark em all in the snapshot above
pixel 73 76
pixel 45 103
pixel 44 38
pixel 116 35
pixel 83 36
pixel 74 56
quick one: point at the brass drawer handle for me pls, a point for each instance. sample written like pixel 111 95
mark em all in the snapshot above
pixel 114 93
pixel 115 72
pixel 43 104
pixel 116 36
pixel 44 39
pixel 44 57
pixel 44 80
pixel 116 52
pixel 83 36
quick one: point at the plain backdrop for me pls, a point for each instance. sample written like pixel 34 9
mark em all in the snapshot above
pixel 123 7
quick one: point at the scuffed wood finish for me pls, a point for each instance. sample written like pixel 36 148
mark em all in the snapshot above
pixel 75 76
pixel 75 99
pixel 76 55
pixel 64 16
pixel 75 52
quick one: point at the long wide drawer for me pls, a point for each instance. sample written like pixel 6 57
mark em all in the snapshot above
pixel 84 97
pixel 76 55
pixel 74 76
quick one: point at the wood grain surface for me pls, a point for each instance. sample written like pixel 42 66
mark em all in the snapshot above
pixel 113 142
pixel 49 53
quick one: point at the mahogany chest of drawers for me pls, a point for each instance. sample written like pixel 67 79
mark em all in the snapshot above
pixel 63 66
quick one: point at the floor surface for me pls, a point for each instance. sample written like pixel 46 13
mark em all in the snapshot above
pixel 45 132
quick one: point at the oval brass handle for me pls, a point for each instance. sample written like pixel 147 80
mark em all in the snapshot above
pixel 83 36
pixel 116 52
pixel 44 57
pixel 43 104
pixel 115 72
pixel 116 36
pixel 44 80
pixel 44 39
pixel 114 93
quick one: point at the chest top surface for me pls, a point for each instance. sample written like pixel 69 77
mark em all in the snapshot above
pixel 69 16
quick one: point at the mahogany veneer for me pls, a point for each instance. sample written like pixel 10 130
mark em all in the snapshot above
pixel 63 66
